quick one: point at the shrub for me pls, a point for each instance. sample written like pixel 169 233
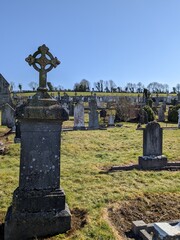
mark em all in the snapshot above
pixel 173 114
pixel 150 113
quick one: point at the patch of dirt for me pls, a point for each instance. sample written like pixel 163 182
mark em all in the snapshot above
pixel 78 220
pixel 149 208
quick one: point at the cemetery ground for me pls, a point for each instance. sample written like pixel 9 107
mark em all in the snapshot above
pixel 103 204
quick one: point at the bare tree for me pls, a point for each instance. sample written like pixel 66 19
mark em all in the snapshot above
pixel 33 85
pixel 112 85
pixel 178 87
pixel 12 86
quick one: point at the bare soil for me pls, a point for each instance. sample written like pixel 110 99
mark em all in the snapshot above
pixel 149 208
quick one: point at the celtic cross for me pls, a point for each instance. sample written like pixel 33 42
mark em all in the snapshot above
pixel 43 62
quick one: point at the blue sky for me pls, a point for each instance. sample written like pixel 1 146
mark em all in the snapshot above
pixel 122 40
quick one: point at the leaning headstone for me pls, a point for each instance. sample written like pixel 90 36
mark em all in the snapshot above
pixel 79 116
pixel 93 114
pixel 38 207
pixel 143 116
pixel 152 147
pixel 179 118
pixel 161 115
pixel 7 116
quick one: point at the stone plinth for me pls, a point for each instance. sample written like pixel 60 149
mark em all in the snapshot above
pixel 152 147
pixel 39 207
pixel 152 162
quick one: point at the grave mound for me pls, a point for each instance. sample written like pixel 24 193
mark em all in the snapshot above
pixel 149 208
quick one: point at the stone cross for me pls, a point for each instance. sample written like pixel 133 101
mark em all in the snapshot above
pixel 43 62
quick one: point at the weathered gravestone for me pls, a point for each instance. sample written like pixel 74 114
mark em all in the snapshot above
pixel 161 115
pixel 93 114
pixel 165 231
pixel 38 206
pixel 152 147
pixel 179 118
pixel 178 95
pixel 79 116
pixel 5 94
pixel 111 119
pixel 7 116
pixel 143 116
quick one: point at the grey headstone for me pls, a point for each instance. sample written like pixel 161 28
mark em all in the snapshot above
pixel 93 114
pixel 152 147
pixel 161 115
pixel 7 116
pixel 111 120
pixel 79 116
pixel 179 118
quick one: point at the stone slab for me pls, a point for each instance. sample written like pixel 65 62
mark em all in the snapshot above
pixel 38 200
pixel 164 230
pixel 32 225
pixel 152 162
pixel 137 226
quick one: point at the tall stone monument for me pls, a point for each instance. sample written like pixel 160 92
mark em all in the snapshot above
pixel 38 207
pixel 93 114
pixel 152 147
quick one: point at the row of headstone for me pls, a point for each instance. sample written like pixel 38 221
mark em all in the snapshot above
pixel 93 116
pixel 39 206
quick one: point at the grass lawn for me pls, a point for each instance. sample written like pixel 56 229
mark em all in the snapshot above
pixel 99 94
pixel 89 192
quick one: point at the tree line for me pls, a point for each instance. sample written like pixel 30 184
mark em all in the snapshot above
pixel 106 86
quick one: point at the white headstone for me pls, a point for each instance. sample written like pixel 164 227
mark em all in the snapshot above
pixel 79 116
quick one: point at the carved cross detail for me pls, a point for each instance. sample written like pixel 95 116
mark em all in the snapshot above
pixel 43 62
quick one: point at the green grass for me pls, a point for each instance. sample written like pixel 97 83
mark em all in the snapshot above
pixel 83 155
pixel 26 94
